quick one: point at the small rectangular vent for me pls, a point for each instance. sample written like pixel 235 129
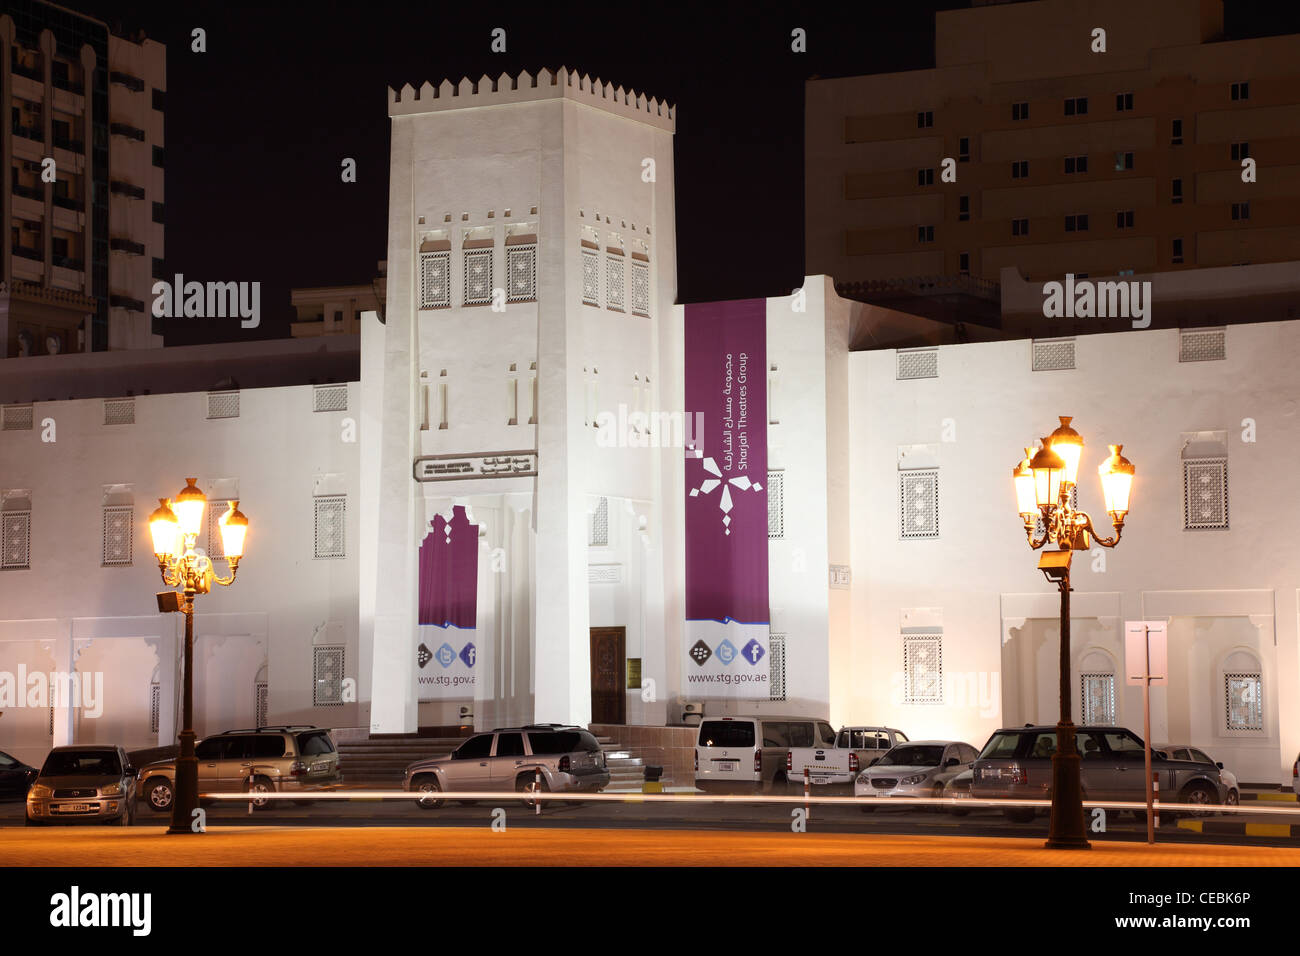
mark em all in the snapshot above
pixel 223 404
pixel 330 398
pixel 918 363
pixel 1201 345
pixel 1052 355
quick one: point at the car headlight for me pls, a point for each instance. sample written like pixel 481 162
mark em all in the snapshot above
pixel 112 790
pixel 913 780
pixel 39 792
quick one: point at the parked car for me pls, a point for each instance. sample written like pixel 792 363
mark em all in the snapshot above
pixel 838 763
pixel 15 776
pixel 749 754
pixel 1184 752
pixel 566 758
pixel 1295 776
pixel 1017 763
pixel 83 784
pixel 958 788
pixel 284 759
pixel 919 768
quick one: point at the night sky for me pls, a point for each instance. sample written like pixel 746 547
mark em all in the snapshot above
pixel 258 125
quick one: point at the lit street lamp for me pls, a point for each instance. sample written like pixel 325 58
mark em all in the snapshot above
pixel 1043 482
pixel 175 526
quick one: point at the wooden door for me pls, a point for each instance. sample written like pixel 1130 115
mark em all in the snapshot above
pixel 608 700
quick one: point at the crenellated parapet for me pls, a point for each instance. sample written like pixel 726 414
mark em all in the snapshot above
pixel 526 88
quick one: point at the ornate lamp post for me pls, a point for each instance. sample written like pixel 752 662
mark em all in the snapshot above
pixel 1044 481
pixel 174 527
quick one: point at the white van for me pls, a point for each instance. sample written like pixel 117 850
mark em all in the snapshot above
pixel 748 754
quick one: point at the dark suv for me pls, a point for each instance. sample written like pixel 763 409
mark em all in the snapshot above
pixel 545 757
pixel 1016 763
pixel 257 761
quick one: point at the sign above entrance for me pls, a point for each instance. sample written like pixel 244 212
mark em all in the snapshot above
pixel 504 464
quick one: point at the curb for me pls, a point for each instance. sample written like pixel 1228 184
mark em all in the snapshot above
pixel 1238 828
pixel 1275 797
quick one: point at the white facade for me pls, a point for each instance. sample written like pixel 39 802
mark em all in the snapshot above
pixel 1229 594
pixel 83 598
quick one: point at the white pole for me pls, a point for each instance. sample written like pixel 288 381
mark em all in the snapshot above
pixel 806 793
pixel 1146 735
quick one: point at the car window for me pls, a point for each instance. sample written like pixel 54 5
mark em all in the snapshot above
pixel 825 735
pixel 727 733
pixel 315 742
pixel 1124 746
pixel 268 746
pixel 776 734
pixel 913 755
pixel 90 763
pixel 7 761
pixel 561 741
pixel 240 748
pixel 476 747
pixel 210 749
pixel 801 734
pixel 1001 746
pixel 1200 755
pixel 510 745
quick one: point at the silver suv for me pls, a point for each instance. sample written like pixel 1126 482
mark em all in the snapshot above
pixel 86 784
pixel 539 757
pixel 1017 763
pixel 256 761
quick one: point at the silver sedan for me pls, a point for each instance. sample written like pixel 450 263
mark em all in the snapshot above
pixel 919 768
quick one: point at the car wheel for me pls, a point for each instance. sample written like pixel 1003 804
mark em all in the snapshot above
pixel 159 794
pixel 1199 793
pixel 429 785
pixel 258 788
pixel 1234 798
pixel 529 783
pixel 1019 814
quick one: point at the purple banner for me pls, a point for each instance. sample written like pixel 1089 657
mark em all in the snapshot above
pixel 726 465
pixel 449 572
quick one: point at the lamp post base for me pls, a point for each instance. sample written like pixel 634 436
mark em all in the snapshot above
pixel 186 794
pixel 1067 830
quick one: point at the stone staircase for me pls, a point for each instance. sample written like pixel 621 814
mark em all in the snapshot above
pixel 379 762
pixel 626 767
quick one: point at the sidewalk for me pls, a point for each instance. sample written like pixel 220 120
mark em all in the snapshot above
pixel 519 846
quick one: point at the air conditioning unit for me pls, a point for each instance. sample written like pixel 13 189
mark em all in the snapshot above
pixel 692 713
pixel 466 715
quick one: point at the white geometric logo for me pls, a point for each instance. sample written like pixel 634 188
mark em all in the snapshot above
pixel 724 502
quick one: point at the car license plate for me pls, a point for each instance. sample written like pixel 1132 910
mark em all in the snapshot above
pixel 320 767
pixel 74 807
pixel 823 779
pixel 727 765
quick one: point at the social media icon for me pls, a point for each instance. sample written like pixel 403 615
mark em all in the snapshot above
pixel 468 653
pixel 700 653
pixel 446 655
pixel 753 651
pixel 726 652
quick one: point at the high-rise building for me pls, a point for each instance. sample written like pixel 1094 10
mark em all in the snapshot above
pixel 84 202
pixel 1103 140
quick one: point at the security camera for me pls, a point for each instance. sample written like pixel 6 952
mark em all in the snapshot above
pixel 1055 565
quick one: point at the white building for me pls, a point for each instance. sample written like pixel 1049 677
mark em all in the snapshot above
pixel 527 387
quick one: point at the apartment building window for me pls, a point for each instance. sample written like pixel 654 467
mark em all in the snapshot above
pixel 925 177
pixel 1076 106
pixel 1020 169
pixel 925 120
pixel 1176 191
pixel 1123 160
pixel 963 208
pixel 1098 704
pixel 435 274
pixel 1176 133
pixel 478 276
pixel 158 156
pixel 1244 699
pixel 1241 91
pixel 925 233
pixel 159 100
pixel 1124 219
pixel 521 272
pixel 1019 227
pixel 963 263
pixel 158 213
pixel 1239 151
pixel 1123 102
pixel 159 270
pixel 1077 223
pixel 1178 250
pixel 1240 210
pixel 1076 164
pixel 963 150
pixel 1019 111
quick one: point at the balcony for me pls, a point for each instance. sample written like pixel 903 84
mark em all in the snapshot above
pixel 119 188
pixel 126 245
pixel 67 262
pixel 71 145
pixel 32 72
pixel 125 302
pixel 67 202
pixel 29 192
pixel 132 83
pixel 27 252
pixel 69 85
pixel 127 130
pixel 30 132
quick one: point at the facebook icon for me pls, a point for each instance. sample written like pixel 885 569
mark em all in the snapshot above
pixel 468 654
pixel 753 651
